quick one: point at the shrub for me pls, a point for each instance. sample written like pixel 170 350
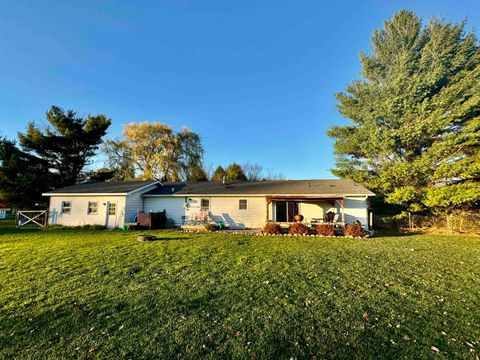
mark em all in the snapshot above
pixel 354 230
pixel 298 229
pixel 272 228
pixel 211 227
pixel 325 230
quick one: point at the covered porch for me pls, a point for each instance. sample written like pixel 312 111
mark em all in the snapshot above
pixel 315 210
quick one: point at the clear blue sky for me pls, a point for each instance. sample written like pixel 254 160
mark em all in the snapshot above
pixel 256 79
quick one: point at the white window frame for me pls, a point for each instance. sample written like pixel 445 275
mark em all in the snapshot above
pixel 240 202
pixel 110 208
pixel 207 208
pixel 88 208
pixel 69 207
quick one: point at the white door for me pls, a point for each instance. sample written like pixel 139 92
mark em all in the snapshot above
pixel 112 210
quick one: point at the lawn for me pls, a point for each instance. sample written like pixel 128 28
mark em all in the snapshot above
pixel 77 294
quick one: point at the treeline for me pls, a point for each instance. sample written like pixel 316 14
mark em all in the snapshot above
pixel 59 155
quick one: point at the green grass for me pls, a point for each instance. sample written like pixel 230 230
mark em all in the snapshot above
pixel 77 294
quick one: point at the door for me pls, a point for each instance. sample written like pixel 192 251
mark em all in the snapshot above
pixel 111 221
pixel 285 210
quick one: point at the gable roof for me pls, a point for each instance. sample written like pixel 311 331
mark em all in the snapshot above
pixel 110 187
pixel 333 187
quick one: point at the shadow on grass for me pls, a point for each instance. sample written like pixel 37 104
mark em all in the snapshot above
pixel 396 233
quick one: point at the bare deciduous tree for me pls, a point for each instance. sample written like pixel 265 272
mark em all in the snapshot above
pixel 253 172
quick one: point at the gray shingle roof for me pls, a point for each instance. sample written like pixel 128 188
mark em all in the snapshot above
pixel 110 187
pixel 279 187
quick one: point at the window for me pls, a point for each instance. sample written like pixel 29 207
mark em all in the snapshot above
pixel 242 204
pixel 112 208
pixel 66 207
pixel 205 204
pixel 92 208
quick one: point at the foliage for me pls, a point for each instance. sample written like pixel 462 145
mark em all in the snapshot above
pixel 218 174
pixel 99 294
pixel 119 159
pixel 154 151
pixel 67 143
pixel 415 131
pixel 298 229
pixel 197 173
pixel 253 172
pixel 272 228
pixel 325 230
pixel 234 172
pixel 102 174
pixel 23 177
pixel 354 230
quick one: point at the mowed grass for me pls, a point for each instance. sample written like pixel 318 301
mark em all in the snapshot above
pixel 103 294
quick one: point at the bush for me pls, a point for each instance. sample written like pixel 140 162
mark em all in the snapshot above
pixel 272 228
pixel 211 227
pixel 298 229
pixel 354 230
pixel 325 230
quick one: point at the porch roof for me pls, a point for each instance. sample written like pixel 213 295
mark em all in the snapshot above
pixel 303 197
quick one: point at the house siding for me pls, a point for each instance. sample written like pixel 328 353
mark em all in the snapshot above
pixel 135 202
pixel 226 209
pixel 174 207
pixel 78 214
pixel 356 208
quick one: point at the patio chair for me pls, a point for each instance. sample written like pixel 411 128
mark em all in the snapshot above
pixel 335 219
pixel 203 217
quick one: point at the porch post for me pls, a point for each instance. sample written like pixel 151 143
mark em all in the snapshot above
pixel 268 200
pixel 343 212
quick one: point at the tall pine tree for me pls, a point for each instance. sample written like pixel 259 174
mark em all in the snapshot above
pixel 415 130
pixel 67 144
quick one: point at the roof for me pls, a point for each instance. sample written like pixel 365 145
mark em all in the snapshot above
pixel 109 187
pixel 334 187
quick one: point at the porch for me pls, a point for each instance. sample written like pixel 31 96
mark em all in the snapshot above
pixel 315 210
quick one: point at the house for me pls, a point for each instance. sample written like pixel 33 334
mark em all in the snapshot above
pixel 238 204
pixel 4 207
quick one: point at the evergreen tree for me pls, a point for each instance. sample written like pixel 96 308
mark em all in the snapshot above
pixel 67 144
pixel 415 114
pixel 234 172
pixel 23 177
pixel 218 174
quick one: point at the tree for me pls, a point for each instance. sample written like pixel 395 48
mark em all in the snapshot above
pixel 153 151
pixel 67 144
pixel 218 174
pixel 119 159
pixel 23 177
pixel 197 173
pixel 253 172
pixel 234 172
pixel 101 175
pixel 272 175
pixel 415 130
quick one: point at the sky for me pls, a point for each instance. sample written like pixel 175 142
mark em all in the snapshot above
pixel 255 79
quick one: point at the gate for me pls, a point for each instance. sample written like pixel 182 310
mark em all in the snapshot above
pixel 31 218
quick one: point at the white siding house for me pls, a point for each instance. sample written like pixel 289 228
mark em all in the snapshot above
pixel 238 205
pixel 105 204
